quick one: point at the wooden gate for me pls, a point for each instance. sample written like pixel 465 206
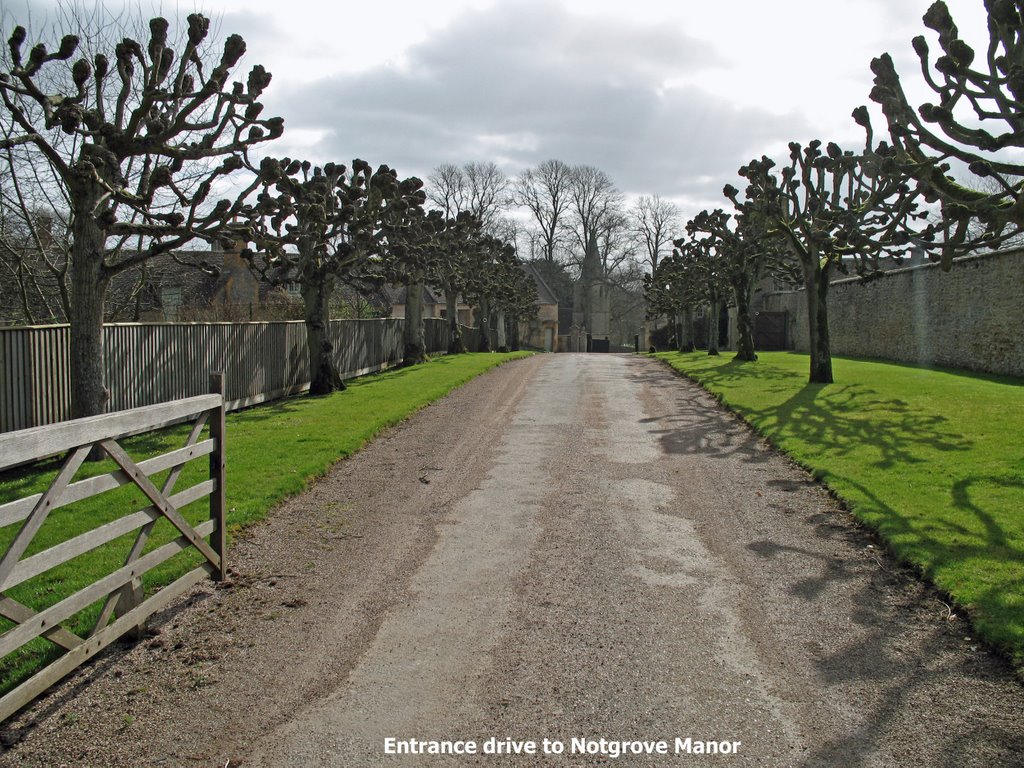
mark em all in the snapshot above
pixel 121 591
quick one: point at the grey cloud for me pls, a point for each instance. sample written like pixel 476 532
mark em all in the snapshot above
pixel 253 27
pixel 519 84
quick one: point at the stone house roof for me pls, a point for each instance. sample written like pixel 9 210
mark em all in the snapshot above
pixel 544 294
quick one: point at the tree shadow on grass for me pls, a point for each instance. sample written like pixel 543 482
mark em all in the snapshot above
pixel 293 405
pixel 735 371
pixel 962 500
pixel 839 420
pixel 972 536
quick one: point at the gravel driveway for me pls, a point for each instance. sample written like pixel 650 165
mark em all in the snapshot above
pixel 575 551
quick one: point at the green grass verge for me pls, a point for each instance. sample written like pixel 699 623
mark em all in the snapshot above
pixel 272 452
pixel 932 459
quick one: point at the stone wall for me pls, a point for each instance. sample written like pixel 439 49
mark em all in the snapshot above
pixel 970 317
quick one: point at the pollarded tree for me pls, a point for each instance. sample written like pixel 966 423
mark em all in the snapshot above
pixel 723 256
pixel 673 290
pixel 977 121
pixel 829 211
pixel 513 298
pixel 705 264
pixel 485 273
pixel 457 241
pixel 316 226
pixel 412 256
pixel 745 257
pixel 137 141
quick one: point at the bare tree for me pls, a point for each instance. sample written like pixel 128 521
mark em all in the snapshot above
pixel 137 144
pixel 509 230
pixel 487 192
pixel 595 206
pixel 34 287
pixel 447 189
pixel 655 222
pixel 615 243
pixel 480 189
pixel 544 192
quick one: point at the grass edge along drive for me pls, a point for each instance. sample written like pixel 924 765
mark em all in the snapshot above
pixel 274 451
pixel 931 459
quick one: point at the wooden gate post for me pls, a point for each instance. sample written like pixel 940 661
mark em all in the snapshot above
pixel 218 464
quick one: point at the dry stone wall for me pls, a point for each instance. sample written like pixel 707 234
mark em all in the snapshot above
pixel 970 317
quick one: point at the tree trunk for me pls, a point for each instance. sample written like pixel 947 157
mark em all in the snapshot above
pixel 88 290
pixel 415 343
pixel 744 325
pixel 499 327
pixel 816 288
pixel 485 322
pixel 323 372
pixel 689 332
pixel 456 344
pixel 713 312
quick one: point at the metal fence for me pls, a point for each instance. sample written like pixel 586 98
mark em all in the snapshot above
pixel 149 363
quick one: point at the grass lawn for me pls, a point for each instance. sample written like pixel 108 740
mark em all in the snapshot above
pixel 933 459
pixel 272 452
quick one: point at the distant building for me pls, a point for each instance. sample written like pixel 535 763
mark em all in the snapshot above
pixel 591 310
pixel 190 285
pixel 434 304
pixel 541 331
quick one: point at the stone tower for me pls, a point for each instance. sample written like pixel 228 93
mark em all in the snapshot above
pixel 591 295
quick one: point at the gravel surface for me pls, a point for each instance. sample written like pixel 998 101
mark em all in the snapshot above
pixel 569 547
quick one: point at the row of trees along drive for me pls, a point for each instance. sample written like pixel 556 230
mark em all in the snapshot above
pixel 132 143
pixel 828 210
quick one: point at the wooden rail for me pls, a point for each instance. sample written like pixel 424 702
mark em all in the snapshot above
pixel 121 591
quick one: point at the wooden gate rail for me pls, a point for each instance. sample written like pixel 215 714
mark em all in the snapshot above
pixel 120 590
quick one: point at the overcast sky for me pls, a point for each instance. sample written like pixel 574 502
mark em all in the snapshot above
pixel 666 97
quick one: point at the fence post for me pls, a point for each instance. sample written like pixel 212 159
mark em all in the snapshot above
pixel 218 463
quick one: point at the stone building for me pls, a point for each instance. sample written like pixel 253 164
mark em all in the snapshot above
pixel 541 331
pixel 591 304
